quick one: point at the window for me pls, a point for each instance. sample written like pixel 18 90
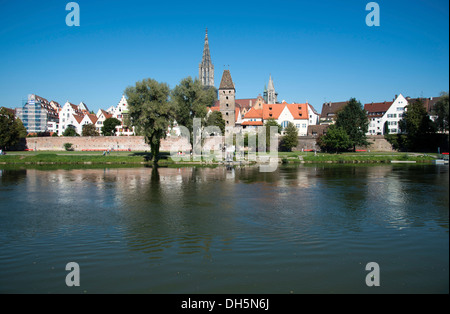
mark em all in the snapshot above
pixel 298 126
pixel 304 125
pixel 400 109
pixel 284 124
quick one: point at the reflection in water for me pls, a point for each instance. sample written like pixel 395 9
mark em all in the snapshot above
pixel 226 230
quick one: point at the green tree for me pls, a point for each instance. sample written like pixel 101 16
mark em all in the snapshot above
pixel 190 100
pixel 216 119
pixel 417 125
pixel 89 130
pixel 386 128
pixel 271 122
pixel 11 129
pixel 290 139
pixel 70 131
pixel 109 126
pixel 150 111
pixel 441 111
pixel 335 140
pixel 353 120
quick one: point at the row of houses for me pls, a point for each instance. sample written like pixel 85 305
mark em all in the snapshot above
pixel 387 113
pixel 39 115
pixel 254 112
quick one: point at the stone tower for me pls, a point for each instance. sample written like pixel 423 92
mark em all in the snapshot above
pixel 206 68
pixel 270 95
pixel 227 99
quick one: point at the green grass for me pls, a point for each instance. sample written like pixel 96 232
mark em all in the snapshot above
pixel 72 158
pixel 133 158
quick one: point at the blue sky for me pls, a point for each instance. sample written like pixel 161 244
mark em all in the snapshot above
pixel 316 51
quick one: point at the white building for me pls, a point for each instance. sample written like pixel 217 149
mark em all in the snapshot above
pixel 101 115
pixel 87 119
pixel 385 112
pixel 70 115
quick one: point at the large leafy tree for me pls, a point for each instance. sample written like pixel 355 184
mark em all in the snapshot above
pixel 417 125
pixel 11 129
pixel 290 139
pixel 89 130
pixel 216 119
pixel 109 126
pixel 70 131
pixel 353 120
pixel 271 122
pixel 190 100
pixel 441 111
pixel 335 140
pixel 150 111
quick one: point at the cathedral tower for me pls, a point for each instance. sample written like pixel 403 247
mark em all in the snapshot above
pixel 270 95
pixel 206 68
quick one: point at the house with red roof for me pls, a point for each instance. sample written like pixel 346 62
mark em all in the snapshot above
pixel 282 113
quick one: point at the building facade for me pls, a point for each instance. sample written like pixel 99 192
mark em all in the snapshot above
pixel 38 115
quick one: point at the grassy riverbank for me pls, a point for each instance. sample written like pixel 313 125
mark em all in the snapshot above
pixel 136 158
pixel 351 157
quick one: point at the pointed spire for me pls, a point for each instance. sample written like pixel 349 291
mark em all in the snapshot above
pixel 271 87
pixel 206 68
pixel 227 82
pixel 206 60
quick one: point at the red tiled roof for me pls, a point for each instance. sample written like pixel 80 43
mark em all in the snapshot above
pixel 106 114
pixel 92 117
pixel 298 111
pixel 252 123
pixel 78 118
pixel 377 109
pixel 331 108
pixel 254 114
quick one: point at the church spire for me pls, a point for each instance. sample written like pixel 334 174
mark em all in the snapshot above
pixel 206 68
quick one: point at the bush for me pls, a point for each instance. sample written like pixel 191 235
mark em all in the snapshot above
pixel 68 147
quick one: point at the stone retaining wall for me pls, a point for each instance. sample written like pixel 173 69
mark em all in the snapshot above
pixel 137 143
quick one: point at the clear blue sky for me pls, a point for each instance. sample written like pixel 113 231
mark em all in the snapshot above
pixel 316 51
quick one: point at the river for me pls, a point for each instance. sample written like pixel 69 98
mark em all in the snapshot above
pixel 300 229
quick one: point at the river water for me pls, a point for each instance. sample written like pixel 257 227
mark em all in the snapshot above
pixel 303 229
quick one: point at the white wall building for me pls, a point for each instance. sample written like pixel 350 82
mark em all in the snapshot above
pixel 390 112
pixel 70 115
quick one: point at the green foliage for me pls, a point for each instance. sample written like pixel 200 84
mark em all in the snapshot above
pixel 109 126
pixel 290 139
pixel 11 130
pixel 89 130
pixel 441 111
pixel 150 111
pixel 385 128
pixel 216 119
pixel 70 132
pixel 353 120
pixel 336 140
pixel 68 147
pixel 190 100
pixel 271 122
pixel 417 126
